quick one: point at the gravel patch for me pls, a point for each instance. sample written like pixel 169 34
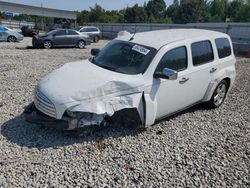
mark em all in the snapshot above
pixel 195 148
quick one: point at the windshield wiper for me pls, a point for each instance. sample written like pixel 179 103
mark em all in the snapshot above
pixel 107 67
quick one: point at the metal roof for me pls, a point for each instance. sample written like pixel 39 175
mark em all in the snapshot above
pixel 159 38
pixel 38 11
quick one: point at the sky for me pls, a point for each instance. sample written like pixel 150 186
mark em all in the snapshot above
pixel 82 4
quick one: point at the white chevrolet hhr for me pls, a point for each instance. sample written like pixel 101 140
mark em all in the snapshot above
pixel 137 79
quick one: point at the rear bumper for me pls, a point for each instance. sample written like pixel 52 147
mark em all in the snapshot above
pixel 32 115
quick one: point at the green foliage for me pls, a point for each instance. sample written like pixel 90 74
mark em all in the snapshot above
pixel 2 16
pixel 135 14
pixel 156 11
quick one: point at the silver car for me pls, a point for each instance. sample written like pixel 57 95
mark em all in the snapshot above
pixel 60 38
pixel 92 31
pixel 9 35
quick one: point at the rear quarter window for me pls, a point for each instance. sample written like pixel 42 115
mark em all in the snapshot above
pixel 223 47
pixel 202 52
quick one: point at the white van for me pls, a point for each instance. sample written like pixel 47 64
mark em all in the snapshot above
pixel 137 79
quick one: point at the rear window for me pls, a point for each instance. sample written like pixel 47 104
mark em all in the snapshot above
pixel 202 52
pixel 223 47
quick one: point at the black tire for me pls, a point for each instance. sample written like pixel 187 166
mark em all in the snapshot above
pixel 11 39
pixel 81 44
pixel 96 39
pixel 219 95
pixel 47 44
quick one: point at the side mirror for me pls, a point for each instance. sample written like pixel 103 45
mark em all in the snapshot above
pixel 95 51
pixel 167 74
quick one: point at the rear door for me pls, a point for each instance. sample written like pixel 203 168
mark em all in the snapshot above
pixel 60 38
pixel 202 67
pixel 72 37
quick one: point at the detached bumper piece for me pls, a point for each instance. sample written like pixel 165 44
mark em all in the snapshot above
pixel 80 121
pixel 33 115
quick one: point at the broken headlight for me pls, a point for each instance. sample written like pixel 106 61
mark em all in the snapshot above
pixel 70 113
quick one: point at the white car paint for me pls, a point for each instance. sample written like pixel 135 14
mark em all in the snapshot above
pixel 84 87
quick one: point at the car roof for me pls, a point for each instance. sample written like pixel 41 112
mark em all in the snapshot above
pixel 89 27
pixel 159 38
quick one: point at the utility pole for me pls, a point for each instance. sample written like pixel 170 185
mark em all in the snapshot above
pixel 42 16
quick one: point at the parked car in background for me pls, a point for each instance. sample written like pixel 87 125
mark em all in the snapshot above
pixel 60 38
pixel 9 35
pixel 138 79
pixel 29 32
pixel 92 31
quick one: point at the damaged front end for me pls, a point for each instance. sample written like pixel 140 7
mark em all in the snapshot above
pixel 68 122
pixel 79 120
pixel 72 101
pixel 127 110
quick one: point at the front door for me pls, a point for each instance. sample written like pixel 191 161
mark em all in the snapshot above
pixel 173 95
pixel 193 64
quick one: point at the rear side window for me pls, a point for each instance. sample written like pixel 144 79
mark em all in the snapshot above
pixel 223 47
pixel 71 32
pixel 61 32
pixel 91 29
pixel 175 59
pixel 202 52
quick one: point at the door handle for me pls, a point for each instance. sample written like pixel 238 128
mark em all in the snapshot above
pixel 213 70
pixel 183 80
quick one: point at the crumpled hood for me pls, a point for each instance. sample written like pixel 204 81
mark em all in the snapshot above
pixel 83 80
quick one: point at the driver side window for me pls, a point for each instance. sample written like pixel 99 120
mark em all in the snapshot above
pixel 175 59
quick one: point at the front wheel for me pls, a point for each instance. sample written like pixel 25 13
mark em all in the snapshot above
pixel 81 44
pixel 11 39
pixel 47 44
pixel 219 95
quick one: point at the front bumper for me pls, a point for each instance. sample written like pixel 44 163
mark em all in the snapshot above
pixel 37 42
pixel 33 115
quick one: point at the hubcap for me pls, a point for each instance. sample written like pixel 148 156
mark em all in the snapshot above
pixel 81 44
pixel 220 94
pixel 47 45
pixel 12 39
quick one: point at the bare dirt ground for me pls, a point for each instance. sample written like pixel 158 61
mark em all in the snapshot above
pixel 196 148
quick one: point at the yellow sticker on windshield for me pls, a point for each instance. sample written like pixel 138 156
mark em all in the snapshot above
pixel 141 49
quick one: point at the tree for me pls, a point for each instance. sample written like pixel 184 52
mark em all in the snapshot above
pixel 234 8
pixel 83 17
pixel 135 14
pixel 156 9
pixel 97 14
pixel 219 10
pixel 2 16
pixel 192 11
pixel 243 13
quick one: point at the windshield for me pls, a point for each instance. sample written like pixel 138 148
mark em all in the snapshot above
pixel 125 57
pixel 51 32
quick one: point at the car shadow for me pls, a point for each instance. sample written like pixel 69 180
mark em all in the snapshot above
pixel 24 134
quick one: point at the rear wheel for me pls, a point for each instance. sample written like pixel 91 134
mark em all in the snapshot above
pixel 11 39
pixel 219 95
pixel 81 44
pixel 47 44
pixel 96 39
